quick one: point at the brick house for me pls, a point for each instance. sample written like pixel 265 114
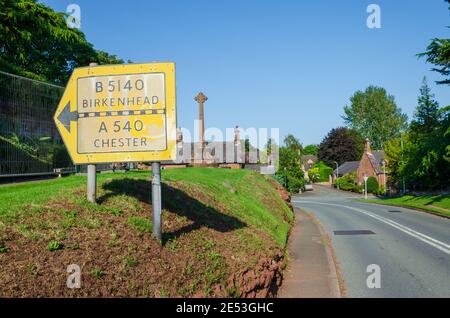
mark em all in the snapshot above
pixel 372 163
pixel 307 161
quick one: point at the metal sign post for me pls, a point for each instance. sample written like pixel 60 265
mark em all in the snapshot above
pixel 91 183
pixel 92 174
pixel 365 187
pixel 156 199
pixel 120 113
pixel 337 174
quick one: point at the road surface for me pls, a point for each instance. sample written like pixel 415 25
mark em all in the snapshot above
pixel 411 248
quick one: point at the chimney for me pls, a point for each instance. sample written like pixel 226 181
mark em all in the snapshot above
pixel 367 148
pixel 237 140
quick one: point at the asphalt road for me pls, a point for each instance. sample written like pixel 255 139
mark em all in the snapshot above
pixel 411 248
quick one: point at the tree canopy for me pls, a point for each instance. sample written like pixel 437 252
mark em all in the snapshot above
pixel 293 144
pixel 341 145
pixel 36 42
pixel 420 155
pixel 374 115
pixel 310 150
pixel 427 115
pixel 438 53
pixel 289 169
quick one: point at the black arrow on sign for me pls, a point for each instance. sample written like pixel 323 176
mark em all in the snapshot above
pixel 66 116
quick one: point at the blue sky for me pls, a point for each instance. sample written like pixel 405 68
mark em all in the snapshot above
pixel 286 64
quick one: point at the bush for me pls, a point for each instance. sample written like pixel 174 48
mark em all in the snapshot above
pixel 294 175
pixel 314 174
pixel 320 172
pixel 358 188
pixel 345 185
pixel 348 182
pixel 380 191
pixel 295 184
pixel 280 179
pixel 325 172
pixel 372 184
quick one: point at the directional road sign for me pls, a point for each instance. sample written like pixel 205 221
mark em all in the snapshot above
pixel 119 113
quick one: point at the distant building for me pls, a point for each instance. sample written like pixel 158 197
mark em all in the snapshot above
pixel 372 163
pixel 307 161
pixel 226 154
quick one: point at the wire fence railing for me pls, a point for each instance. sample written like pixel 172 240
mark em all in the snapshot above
pixel 29 140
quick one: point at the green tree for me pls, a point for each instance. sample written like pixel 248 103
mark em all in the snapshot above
pixel 36 42
pixel 427 116
pixel 426 166
pixel 341 145
pixel 310 150
pixel 438 53
pixel 375 115
pixel 293 144
pixel 423 161
pixel 447 133
pixel 395 158
pixel 289 168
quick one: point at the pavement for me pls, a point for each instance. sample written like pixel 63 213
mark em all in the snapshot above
pixel 311 271
pixel 380 251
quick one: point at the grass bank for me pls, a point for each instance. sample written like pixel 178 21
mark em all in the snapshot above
pixel 439 204
pixel 222 229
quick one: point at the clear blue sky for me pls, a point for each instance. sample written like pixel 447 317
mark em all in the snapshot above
pixel 286 64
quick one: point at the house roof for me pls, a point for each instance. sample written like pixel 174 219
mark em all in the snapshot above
pixel 376 158
pixel 346 167
pixel 308 157
pixel 306 165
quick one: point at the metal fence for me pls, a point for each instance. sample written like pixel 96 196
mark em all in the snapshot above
pixel 29 140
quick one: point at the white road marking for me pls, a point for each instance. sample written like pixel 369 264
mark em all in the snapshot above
pixel 420 236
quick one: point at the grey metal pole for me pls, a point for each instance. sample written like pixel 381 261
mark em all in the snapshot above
pixel 403 177
pixel 337 174
pixel 92 175
pixel 91 183
pixel 365 189
pixel 156 199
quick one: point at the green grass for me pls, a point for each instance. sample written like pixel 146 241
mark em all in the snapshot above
pixel 54 246
pixel 97 273
pixel 432 203
pixel 218 221
pixel 14 197
pixel 3 248
pixel 130 262
pixel 241 193
pixel 141 224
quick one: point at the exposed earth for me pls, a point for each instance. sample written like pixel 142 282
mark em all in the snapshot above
pixel 224 234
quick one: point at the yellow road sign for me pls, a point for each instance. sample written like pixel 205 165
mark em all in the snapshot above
pixel 119 113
